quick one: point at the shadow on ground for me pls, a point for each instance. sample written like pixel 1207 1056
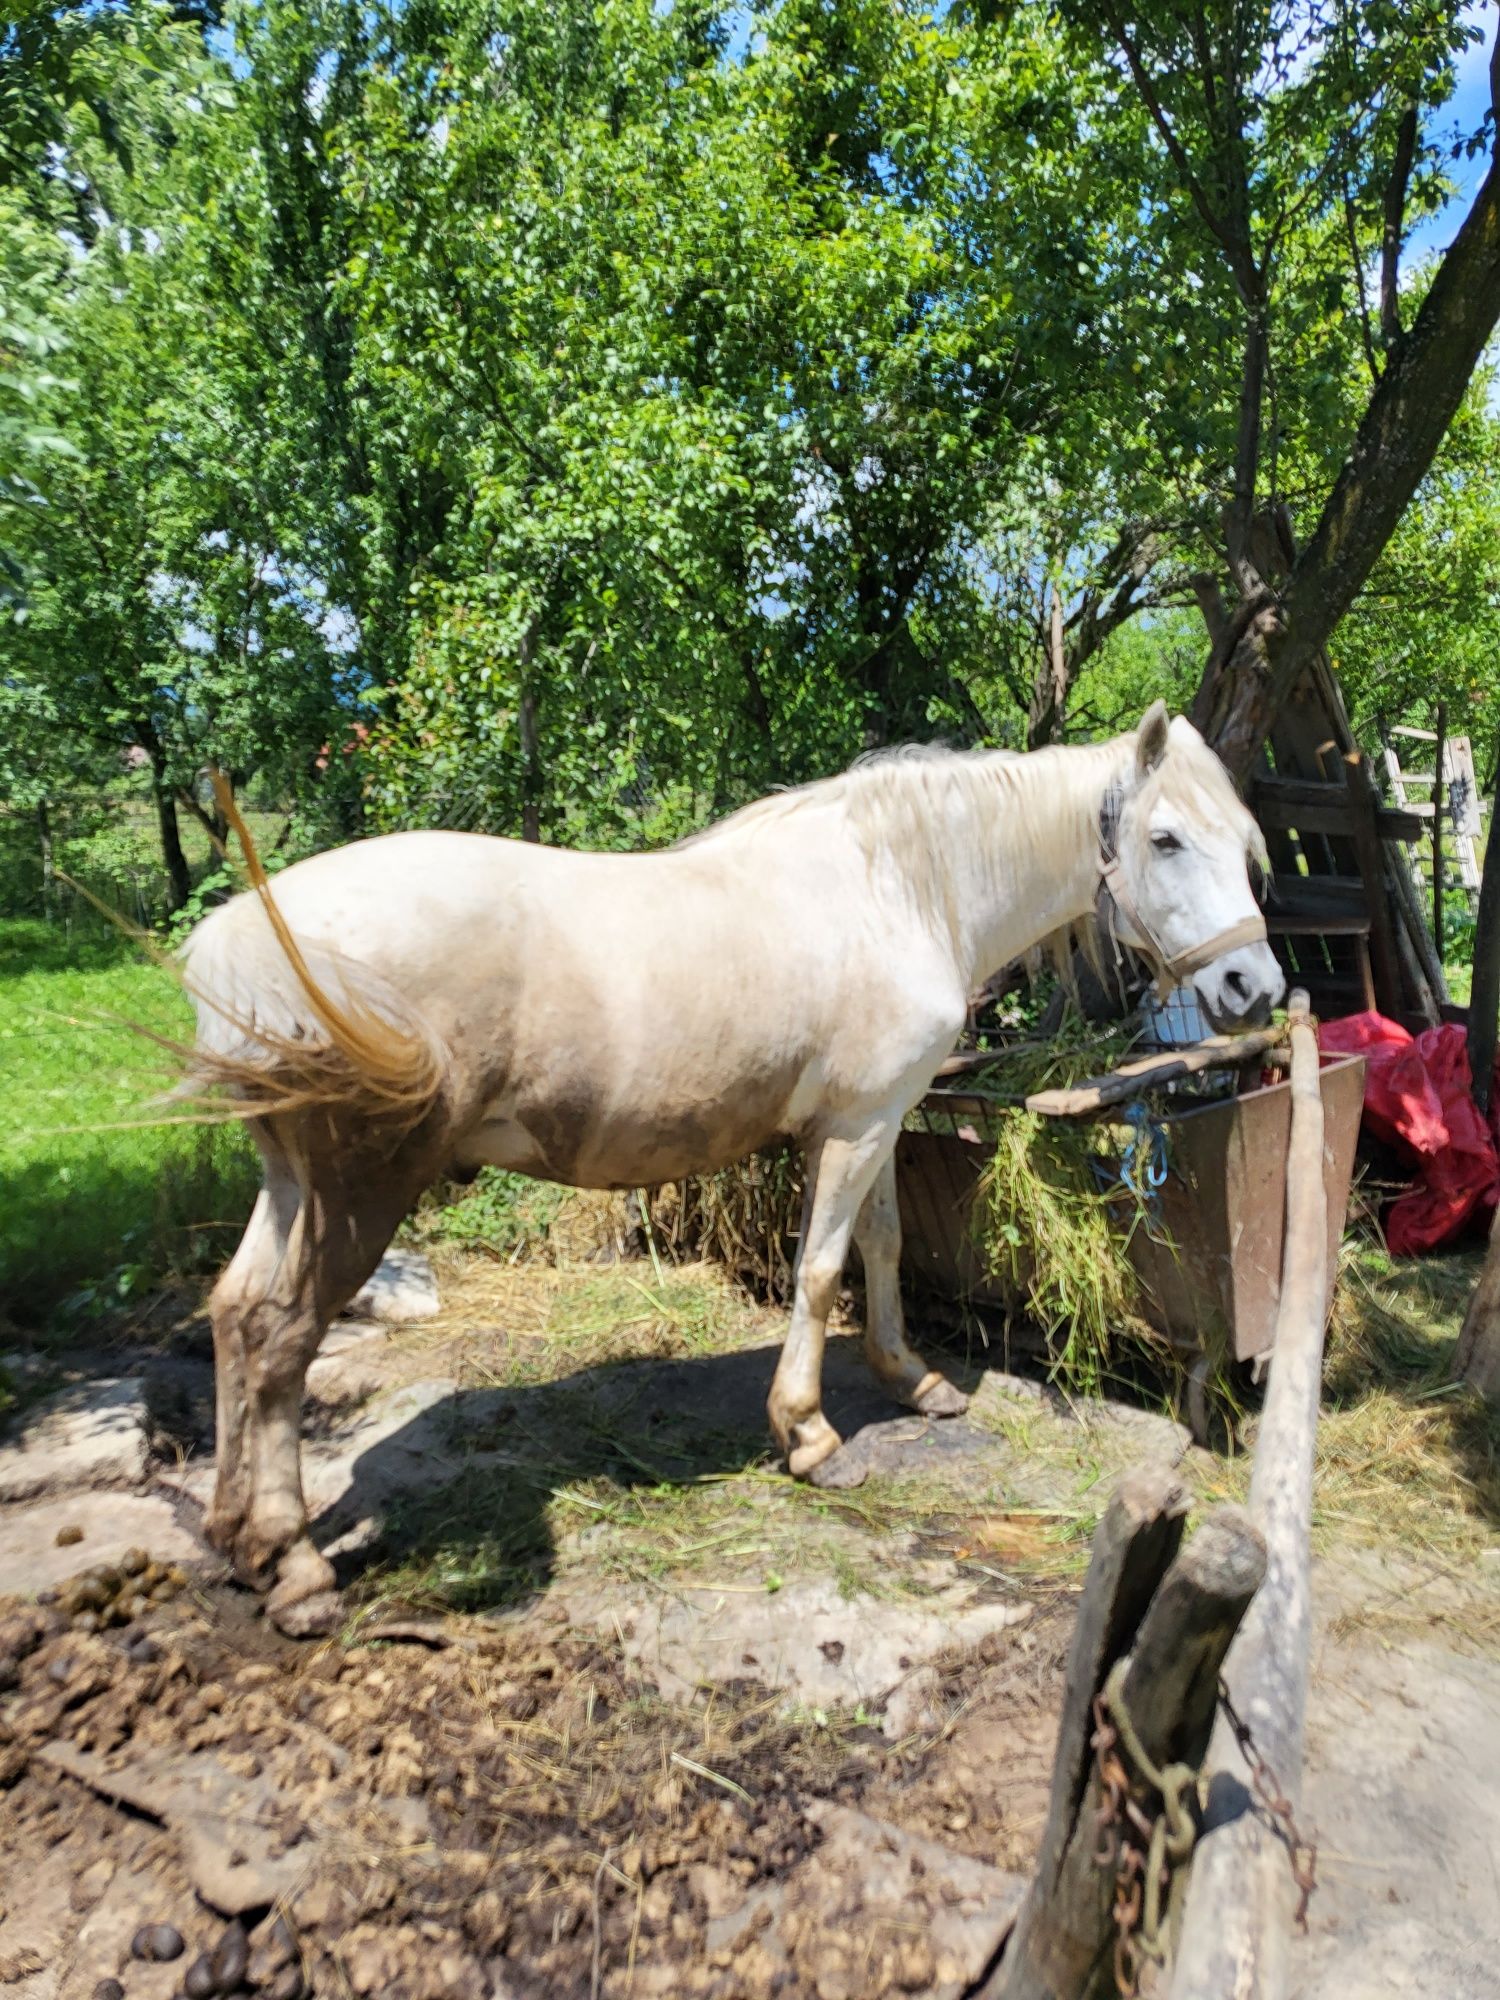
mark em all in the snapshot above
pixel 462 1490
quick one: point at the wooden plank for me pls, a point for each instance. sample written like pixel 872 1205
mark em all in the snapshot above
pixel 1317 895
pixel 1463 788
pixel 1384 964
pixel 1237 1925
pixel 1331 815
pixel 1420 735
pixel 1096 1093
pixel 1312 925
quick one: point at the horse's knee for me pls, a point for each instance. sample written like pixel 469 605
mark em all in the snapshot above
pixel 818 1282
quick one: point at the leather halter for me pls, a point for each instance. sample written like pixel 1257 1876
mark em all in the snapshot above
pixel 1115 901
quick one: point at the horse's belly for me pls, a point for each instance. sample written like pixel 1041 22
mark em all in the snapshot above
pixel 589 1140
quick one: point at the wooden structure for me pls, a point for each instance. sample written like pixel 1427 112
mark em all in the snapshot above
pixel 1127 1874
pixel 1238 1921
pixel 1452 810
pixel 1154 1624
pixel 1211 1277
pixel 1345 915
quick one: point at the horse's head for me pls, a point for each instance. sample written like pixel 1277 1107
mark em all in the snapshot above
pixel 1179 851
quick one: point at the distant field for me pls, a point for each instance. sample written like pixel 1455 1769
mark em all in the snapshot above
pixel 92 1208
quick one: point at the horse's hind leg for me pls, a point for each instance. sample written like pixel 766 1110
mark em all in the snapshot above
pixel 877 1232
pixel 247 1278
pixel 839 1173
pixel 320 1234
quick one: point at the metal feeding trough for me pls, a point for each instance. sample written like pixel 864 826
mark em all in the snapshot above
pixel 1211 1274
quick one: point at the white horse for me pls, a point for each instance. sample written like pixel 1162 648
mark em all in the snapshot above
pixel 432 1001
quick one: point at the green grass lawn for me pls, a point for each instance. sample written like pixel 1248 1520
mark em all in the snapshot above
pixel 88 1210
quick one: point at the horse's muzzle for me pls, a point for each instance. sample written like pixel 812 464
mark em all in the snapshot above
pixel 1239 990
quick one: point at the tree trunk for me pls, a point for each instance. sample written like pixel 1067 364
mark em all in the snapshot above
pixel 1476 1359
pixel 1484 995
pixel 179 877
pixel 1049 688
pixel 49 866
pixel 531 770
pixel 1407 418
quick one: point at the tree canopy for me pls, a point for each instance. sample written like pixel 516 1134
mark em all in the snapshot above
pixel 571 421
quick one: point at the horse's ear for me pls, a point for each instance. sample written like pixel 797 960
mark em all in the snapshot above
pixel 1151 739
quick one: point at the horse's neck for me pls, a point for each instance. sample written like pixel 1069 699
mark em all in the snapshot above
pixel 1029 863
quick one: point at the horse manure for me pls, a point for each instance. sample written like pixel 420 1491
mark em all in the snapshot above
pixel 288 1984
pixel 230 1957
pixel 108 1989
pixel 198 1981
pixel 160 1942
pixel 133 1562
pixel 67 1536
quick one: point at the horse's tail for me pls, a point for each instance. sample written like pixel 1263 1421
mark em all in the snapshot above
pixel 286 1027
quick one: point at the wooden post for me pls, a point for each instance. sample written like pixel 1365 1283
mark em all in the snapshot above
pixel 1476 1359
pixel 1441 751
pixel 1409 900
pixel 1061 1946
pixel 1484 994
pixel 1371 856
pixel 1237 1926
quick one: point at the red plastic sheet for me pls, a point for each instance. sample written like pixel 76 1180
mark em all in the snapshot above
pixel 1418 1100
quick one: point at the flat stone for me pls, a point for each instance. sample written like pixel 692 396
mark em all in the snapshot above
pixel 30 1559
pixel 93 1434
pixel 349 1333
pixel 826 1649
pixel 403 1288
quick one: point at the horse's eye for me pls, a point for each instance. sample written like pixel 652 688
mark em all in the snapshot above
pixel 1165 843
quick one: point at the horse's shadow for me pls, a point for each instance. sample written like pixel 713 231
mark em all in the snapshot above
pixel 460 1492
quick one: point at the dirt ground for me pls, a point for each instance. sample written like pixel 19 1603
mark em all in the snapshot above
pixel 619 1709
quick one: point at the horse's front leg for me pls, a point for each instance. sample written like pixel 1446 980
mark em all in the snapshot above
pixel 840 1172
pixel 896 1364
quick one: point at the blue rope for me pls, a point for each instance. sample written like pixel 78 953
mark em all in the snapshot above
pixel 1143 1166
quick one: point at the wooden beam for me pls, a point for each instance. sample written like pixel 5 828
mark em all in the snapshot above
pixel 1097 1093
pixel 1384 963
pixel 1237 1925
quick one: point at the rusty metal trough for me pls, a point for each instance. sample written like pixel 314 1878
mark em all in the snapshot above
pixel 1214 1285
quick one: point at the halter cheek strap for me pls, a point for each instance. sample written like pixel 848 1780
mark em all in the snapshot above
pixel 1115 901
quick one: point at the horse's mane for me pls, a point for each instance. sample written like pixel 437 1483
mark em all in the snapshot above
pixel 902 801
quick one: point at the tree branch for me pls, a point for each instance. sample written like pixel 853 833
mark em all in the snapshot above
pixel 1408 415
pixel 1395 215
pixel 1366 331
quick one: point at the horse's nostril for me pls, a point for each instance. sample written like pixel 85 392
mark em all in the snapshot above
pixel 1238 985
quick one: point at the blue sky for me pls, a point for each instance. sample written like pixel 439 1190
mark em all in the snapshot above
pixel 1462 115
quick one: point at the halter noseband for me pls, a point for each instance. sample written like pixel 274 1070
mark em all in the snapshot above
pixel 1115 901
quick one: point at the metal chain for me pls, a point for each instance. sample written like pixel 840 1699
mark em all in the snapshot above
pixel 1149 1852
pixel 1301 1852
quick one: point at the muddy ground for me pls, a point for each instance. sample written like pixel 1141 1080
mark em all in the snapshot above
pixel 618 1710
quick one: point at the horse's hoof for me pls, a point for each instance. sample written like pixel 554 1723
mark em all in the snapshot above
pixel 304 1603
pixel 317 1617
pixel 816 1440
pixel 838 1473
pixel 935 1396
